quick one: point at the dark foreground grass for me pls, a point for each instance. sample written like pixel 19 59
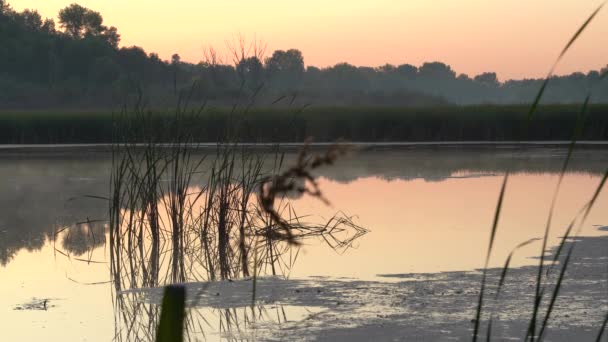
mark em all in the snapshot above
pixel 468 123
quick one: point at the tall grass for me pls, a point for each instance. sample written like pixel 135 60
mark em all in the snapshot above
pixel 171 323
pixel 180 214
pixel 536 330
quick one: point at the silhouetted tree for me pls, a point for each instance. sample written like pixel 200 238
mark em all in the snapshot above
pixel 252 70
pixel 464 78
pixel 83 65
pixel 290 61
pixel 436 71
pixel 407 71
pixel 80 22
pixel 31 19
pixel 487 78
pixel 175 59
pixel 285 67
pixel 346 77
pixel 4 7
pixel 111 36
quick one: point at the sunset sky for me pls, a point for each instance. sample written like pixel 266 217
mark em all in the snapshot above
pixel 515 38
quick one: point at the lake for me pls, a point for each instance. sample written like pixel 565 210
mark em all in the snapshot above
pixel 428 211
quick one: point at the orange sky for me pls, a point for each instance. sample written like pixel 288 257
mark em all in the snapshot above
pixel 515 38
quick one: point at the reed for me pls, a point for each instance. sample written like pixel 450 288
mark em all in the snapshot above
pixel 179 213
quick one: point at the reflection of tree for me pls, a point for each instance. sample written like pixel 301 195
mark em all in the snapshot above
pixel 35 197
pixel 82 238
pixel 441 163
pixel 7 253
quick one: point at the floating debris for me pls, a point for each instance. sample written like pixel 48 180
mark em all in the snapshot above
pixel 42 304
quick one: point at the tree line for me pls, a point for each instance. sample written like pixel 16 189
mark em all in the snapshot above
pixel 78 62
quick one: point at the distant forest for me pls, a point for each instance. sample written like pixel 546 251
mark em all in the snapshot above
pixel 78 63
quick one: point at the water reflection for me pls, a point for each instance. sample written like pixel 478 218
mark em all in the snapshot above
pixel 83 238
pixel 35 197
pixel 174 219
pixel 36 189
pixel 137 316
pixel 429 210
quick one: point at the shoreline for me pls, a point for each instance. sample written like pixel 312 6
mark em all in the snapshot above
pixel 107 147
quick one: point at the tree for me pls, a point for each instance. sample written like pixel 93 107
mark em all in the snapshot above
pixel 154 57
pixel 346 77
pixel 408 71
pixel 387 69
pixel 111 36
pixel 104 70
pixel 4 7
pixel 175 62
pixel 286 62
pixel 463 78
pixel 286 67
pixel 31 19
pixel 175 59
pixel 80 22
pixel 76 20
pixel 436 71
pixel 251 70
pixel 48 26
pixel 487 78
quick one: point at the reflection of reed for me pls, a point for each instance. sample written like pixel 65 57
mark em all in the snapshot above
pixel 173 220
pixel 237 324
pixel 136 320
pixel 181 231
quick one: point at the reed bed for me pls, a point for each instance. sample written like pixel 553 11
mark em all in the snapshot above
pixel 179 214
pixel 325 124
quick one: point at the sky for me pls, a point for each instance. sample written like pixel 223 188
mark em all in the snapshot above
pixel 515 38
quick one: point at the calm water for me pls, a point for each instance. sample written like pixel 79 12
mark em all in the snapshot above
pixel 427 209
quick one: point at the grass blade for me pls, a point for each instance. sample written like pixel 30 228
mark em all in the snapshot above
pixel 503 274
pixel 538 295
pixel 171 324
pixel 539 285
pixel 485 269
pixel 576 35
pixel 602 329
pixel 497 216
pixel 558 286
pixel 567 260
pixel 580 30
pixel 598 190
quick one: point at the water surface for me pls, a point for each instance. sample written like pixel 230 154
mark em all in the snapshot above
pixel 428 209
